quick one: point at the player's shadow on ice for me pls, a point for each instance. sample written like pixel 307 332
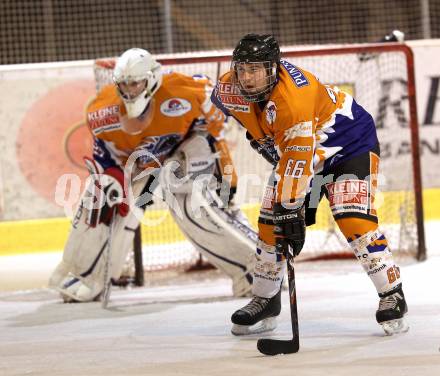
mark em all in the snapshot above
pixel 54 312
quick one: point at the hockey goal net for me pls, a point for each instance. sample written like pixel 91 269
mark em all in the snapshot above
pixel 381 78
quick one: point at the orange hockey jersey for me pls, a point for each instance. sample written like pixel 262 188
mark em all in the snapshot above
pixel 307 126
pixel 182 104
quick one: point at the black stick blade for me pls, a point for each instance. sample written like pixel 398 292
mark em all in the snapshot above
pixel 269 346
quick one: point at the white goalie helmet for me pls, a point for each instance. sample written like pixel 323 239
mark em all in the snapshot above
pixel 137 76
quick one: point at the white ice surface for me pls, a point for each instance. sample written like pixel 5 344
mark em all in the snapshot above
pixel 184 329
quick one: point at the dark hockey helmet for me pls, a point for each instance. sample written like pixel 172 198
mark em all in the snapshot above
pixel 253 51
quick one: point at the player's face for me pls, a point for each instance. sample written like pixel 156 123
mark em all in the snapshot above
pixel 252 77
pixel 132 89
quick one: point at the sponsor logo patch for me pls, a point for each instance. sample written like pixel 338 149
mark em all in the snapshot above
pixel 268 198
pixel 175 107
pixel 374 271
pixel 348 196
pixel 303 129
pixel 271 112
pixel 198 164
pixel 104 119
pixel 106 128
pixel 296 75
pixel 298 148
pixel 237 107
pixel 374 262
pixel 229 95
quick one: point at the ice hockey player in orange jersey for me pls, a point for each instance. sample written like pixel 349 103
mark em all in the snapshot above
pixel 140 124
pixel 320 142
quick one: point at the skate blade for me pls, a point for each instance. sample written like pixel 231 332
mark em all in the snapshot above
pixel 395 326
pixel 262 326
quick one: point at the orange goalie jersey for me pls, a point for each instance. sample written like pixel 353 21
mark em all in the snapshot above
pixel 181 105
pixel 306 126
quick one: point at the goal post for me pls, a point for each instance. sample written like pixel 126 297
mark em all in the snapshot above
pixel 381 78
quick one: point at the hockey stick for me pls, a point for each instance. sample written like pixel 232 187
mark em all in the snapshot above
pixel 108 264
pixel 270 346
pixel 138 259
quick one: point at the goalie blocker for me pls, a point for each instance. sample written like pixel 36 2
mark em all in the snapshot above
pixel 220 234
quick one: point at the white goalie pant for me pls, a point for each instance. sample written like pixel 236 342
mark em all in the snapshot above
pixel 222 236
pixel 80 275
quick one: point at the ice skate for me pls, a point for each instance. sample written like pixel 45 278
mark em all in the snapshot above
pixel 258 316
pixel 391 312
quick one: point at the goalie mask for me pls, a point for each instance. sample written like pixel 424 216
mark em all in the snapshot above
pixel 137 76
pixel 254 65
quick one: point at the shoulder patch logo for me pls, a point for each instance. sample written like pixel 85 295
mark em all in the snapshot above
pixel 271 112
pixel 296 75
pixel 175 107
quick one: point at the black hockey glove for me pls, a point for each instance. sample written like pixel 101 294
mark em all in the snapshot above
pixel 290 229
pixel 269 155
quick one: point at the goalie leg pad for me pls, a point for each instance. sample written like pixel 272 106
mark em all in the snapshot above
pixel 220 237
pixel 80 275
pixel 73 289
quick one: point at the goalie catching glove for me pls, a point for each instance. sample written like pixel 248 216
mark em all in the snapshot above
pixel 290 228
